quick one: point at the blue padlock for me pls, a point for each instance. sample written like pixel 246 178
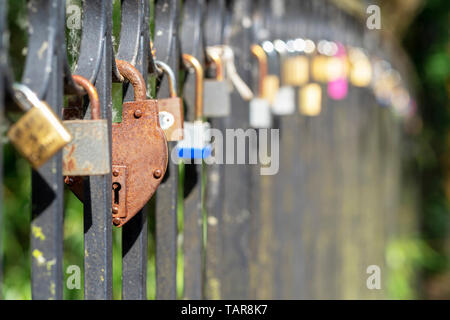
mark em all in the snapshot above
pixel 196 142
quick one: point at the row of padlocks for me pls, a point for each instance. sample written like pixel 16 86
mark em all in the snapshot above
pixel 139 143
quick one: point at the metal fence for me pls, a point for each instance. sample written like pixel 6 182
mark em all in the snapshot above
pixel 309 231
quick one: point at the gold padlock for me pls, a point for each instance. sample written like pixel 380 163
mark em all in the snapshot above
pixel 295 71
pixel 319 68
pixel 271 85
pixel 360 68
pixel 310 100
pixel 39 133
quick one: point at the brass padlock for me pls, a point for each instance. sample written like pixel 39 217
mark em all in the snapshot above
pixel 295 71
pixel 39 133
pixel 360 68
pixel 88 153
pixel 216 93
pixel 319 68
pixel 259 108
pixel 310 99
pixel 139 150
pixel 170 109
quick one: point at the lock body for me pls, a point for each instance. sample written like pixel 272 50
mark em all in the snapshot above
pixel 310 100
pixel 271 85
pixel 284 103
pixel 295 71
pixel 260 114
pixel 196 142
pixel 171 118
pixel 139 149
pixel 39 134
pixel 88 153
pixel 216 99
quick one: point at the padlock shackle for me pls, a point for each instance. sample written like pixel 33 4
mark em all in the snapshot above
pixel 91 92
pixel 261 56
pixel 24 97
pixel 164 67
pixel 130 73
pixel 191 61
pixel 217 60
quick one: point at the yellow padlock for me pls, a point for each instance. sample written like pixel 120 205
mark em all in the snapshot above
pixel 295 71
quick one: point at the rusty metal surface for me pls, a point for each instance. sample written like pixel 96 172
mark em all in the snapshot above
pixel 119 187
pixel 134 77
pixel 140 145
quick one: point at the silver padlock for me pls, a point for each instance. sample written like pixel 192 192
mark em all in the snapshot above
pixel 260 115
pixel 88 154
pixel 216 96
pixel 284 102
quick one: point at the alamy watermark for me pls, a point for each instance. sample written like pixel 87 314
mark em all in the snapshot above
pixel 374 19
pixel 373 282
pixel 73 281
pixel 237 146
pixel 73 13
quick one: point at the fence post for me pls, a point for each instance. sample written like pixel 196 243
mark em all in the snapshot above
pixel 3 59
pixel 134 47
pixel 192 43
pixel 95 63
pixel 237 213
pixel 44 75
pixel 167 43
pixel 216 12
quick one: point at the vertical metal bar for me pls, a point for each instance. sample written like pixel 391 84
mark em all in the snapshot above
pixel 214 35
pixel 135 48
pixel 166 43
pixel 3 46
pixel 97 190
pixel 192 43
pixel 44 75
pixel 236 215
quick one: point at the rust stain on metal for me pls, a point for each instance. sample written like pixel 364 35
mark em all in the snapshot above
pixel 135 78
pixel 119 187
pixel 69 163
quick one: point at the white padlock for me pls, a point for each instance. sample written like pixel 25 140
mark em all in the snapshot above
pixel 284 103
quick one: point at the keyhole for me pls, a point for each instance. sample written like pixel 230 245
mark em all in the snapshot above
pixel 116 188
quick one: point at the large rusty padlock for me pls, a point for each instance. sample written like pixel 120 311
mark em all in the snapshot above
pixel 88 153
pixel 139 150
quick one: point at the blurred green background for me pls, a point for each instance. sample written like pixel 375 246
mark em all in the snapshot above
pixel 419 264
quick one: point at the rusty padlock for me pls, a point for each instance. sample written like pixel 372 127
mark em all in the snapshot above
pixel 170 109
pixel 139 150
pixel 88 153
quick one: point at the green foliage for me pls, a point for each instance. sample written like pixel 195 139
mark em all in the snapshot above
pixel 428 44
